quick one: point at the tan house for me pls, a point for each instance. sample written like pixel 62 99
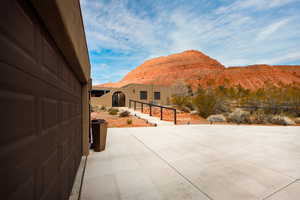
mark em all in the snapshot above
pixel 119 97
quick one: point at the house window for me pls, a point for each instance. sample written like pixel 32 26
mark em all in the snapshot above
pixel 156 95
pixel 143 95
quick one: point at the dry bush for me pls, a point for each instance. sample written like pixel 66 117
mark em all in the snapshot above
pixel 103 108
pixel 129 121
pixel 95 108
pixel 205 104
pixel 297 120
pixel 282 120
pixel 239 116
pixel 259 117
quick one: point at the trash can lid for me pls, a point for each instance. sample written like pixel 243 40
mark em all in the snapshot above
pixel 98 121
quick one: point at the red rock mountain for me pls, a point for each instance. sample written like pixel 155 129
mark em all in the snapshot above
pixel 194 67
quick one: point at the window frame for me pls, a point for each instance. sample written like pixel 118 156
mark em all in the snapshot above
pixel 143 97
pixel 155 97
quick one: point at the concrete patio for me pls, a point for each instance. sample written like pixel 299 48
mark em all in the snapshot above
pixel 198 162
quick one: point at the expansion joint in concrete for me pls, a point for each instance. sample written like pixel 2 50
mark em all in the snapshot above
pixel 178 172
pixel 281 189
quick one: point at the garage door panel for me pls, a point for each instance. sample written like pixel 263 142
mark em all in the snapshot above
pixel 11 104
pixel 40 97
pixel 19 24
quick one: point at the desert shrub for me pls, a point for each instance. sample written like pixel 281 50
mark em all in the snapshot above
pixel 124 113
pixel 180 101
pixel 129 121
pixel 205 104
pixel 239 116
pixel 259 117
pixel 113 111
pixel 282 120
pixel 283 100
pixel 261 103
pixel 216 118
pixel 297 120
pixel 103 108
pixel 92 108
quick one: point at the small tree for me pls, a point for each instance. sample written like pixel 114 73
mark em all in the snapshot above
pixel 205 104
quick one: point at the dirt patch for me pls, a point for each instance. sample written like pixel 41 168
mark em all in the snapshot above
pixel 114 121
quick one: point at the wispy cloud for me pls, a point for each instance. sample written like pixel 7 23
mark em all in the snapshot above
pixel 272 28
pixel 123 33
pixel 253 4
pixel 290 56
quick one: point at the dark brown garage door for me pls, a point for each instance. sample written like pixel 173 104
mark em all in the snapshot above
pixel 40 102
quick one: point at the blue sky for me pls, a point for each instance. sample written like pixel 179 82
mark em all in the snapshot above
pixel 122 34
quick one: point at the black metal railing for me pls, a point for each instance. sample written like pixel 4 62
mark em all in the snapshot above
pixel 150 108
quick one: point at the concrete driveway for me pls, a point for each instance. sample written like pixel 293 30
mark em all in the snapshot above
pixel 196 162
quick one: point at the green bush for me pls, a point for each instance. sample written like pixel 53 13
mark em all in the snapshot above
pixel 103 108
pixel 129 121
pixel 205 104
pixel 262 103
pixel 113 111
pixel 181 101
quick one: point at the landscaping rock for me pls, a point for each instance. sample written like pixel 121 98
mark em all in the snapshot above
pixel 216 118
pixel 297 120
pixel 239 116
pixel 282 120
pixel 194 112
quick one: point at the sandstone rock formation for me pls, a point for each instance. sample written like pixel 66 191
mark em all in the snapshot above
pixel 194 67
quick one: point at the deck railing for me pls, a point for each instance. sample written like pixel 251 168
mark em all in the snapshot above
pixel 150 108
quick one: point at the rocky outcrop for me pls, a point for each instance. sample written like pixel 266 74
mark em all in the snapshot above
pixel 194 67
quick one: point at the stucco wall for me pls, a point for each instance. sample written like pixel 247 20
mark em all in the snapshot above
pixel 132 91
pixel 64 22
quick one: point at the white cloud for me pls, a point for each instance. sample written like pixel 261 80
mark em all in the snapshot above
pixel 254 4
pixel 113 26
pixel 272 28
pixel 233 34
pixel 289 57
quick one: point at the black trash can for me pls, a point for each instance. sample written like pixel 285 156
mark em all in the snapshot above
pixel 99 133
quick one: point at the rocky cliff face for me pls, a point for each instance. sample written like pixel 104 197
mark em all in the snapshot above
pixel 194 67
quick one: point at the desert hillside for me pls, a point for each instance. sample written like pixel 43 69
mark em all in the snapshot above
pixel 194 67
